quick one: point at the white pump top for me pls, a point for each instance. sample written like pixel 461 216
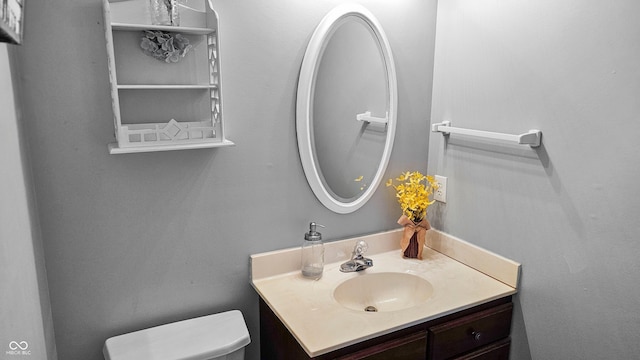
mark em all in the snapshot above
pixel 201 338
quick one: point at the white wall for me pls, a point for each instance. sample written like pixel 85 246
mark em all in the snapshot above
pixel 138 240
pixel 25 313
pixel 567 211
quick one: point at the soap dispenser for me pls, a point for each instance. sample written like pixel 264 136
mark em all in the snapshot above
pixel 312 262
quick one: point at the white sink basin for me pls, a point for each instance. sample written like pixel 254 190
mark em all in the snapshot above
pixel 383 292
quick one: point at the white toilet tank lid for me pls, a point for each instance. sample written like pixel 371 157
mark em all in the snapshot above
pixel 200 338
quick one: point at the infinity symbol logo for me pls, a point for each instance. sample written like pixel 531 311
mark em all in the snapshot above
pixel 22 345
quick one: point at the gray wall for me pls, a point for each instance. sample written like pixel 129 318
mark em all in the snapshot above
pixel 25 312
pixel 137 240
pixel 569 210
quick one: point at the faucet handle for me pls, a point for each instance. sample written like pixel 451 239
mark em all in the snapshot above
pixel 360 248
pixel 357 262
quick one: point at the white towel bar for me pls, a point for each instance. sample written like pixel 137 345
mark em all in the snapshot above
pixel 366 116
pixel 531 138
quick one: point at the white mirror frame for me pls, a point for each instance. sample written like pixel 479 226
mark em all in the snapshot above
pixel 304 104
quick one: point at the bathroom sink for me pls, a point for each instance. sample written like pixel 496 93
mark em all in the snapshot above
pixel 383 292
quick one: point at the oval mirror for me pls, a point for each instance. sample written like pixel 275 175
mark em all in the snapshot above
pixel 346 108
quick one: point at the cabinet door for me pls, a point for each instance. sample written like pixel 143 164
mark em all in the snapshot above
pixel 469 332
pixel 411 347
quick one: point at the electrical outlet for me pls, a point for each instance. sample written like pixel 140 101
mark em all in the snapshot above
pixel 441 194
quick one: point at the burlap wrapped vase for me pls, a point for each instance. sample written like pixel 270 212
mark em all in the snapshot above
pixel 413 237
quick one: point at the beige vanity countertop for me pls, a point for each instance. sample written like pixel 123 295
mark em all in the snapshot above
pixel 462 275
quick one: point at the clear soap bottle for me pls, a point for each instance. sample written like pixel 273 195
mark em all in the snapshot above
pixel 312 262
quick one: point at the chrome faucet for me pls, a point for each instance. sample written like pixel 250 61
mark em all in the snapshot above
pixel 357 262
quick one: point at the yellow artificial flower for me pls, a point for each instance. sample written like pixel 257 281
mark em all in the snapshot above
pixel 413 193
pixel 404 176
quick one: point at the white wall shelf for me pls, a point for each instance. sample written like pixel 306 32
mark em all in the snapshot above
pixel 165 87
pixel 115 149
pixel 160 106
pixel 181 29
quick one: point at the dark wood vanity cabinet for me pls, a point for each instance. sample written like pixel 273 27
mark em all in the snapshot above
pixel 472 336
pixel 478 333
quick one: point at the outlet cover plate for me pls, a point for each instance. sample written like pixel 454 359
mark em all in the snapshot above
pixel 441 194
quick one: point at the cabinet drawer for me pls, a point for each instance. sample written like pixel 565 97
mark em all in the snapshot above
pixel 467 333
pixel 409 347
pixel 496 351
